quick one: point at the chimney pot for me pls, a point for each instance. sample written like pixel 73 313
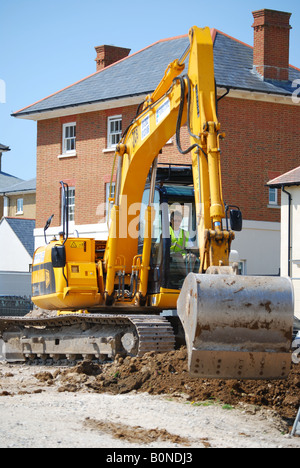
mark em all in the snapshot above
pixel 271 44
pixel 107 55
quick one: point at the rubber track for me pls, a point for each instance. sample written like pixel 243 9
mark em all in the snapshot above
pixel 155 333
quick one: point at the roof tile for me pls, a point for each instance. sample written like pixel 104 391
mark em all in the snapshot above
pixel 23 228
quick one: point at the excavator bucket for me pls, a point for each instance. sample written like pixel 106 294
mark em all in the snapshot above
pixel 237 327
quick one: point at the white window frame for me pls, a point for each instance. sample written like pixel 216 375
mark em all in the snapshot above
pixel 109 204
pixel 68 152
pixel 111 135
pixel 20 209
pixel 242 267
pixel 72 195
pixel 273 191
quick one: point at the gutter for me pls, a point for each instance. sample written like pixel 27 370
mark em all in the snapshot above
pixel 82 107
pixel 19 192
pixel 283 97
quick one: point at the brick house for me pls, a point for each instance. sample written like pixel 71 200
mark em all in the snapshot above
pixel 78 127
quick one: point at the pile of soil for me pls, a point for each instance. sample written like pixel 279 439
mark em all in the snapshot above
pixel 167 374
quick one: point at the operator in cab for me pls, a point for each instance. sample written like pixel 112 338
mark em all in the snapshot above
pixel 182 262
pixel 179 237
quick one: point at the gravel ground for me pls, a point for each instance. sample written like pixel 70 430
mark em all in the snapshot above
pixel 37 413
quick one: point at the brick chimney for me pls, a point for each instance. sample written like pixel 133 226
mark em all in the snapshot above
pixel 271 44
pixel 106 55
pixel 3 149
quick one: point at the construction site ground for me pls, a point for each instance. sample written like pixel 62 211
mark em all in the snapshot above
pixel 148 402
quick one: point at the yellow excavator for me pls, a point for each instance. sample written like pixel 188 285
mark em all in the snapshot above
pixel 113 297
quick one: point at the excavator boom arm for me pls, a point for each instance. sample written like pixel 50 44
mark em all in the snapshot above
pixel 235 327
pixel 189 98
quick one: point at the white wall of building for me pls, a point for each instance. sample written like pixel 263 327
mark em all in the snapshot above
pixel 291 227
pixel 15 284
pixel 258 245
pixel 13 257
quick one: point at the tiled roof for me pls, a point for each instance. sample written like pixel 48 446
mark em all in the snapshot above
pixel 23 228
pixel 20 186
pixel 6 180
pixel 141 72
pixel 289 178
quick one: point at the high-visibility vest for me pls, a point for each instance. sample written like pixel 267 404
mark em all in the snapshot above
pixel 178 245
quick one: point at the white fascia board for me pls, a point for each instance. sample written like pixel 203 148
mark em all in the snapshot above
pixel 20 192
pixel 257 96
pixel 135 100
pixel 83 109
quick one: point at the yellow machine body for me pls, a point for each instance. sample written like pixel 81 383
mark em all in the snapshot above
pixel 73 286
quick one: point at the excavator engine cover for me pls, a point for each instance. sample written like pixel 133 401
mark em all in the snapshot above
pixel 237 327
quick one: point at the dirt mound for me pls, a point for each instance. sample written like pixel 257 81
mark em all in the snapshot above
pixel 135 434
pixel 167 374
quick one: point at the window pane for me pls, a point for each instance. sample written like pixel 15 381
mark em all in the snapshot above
pixel 69 138
pixel 114 130
pixel 20 205
pixel 71 203
pixel 272 195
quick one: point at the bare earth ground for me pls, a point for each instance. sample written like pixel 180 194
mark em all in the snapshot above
pixel 143 402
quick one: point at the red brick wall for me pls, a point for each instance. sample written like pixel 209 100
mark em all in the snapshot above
pixel 88 171
pixel 261 139
pixel 107 55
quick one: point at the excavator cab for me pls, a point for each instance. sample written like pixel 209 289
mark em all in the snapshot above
pixel 172 258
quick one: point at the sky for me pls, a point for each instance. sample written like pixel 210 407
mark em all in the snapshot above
pixel 47 45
